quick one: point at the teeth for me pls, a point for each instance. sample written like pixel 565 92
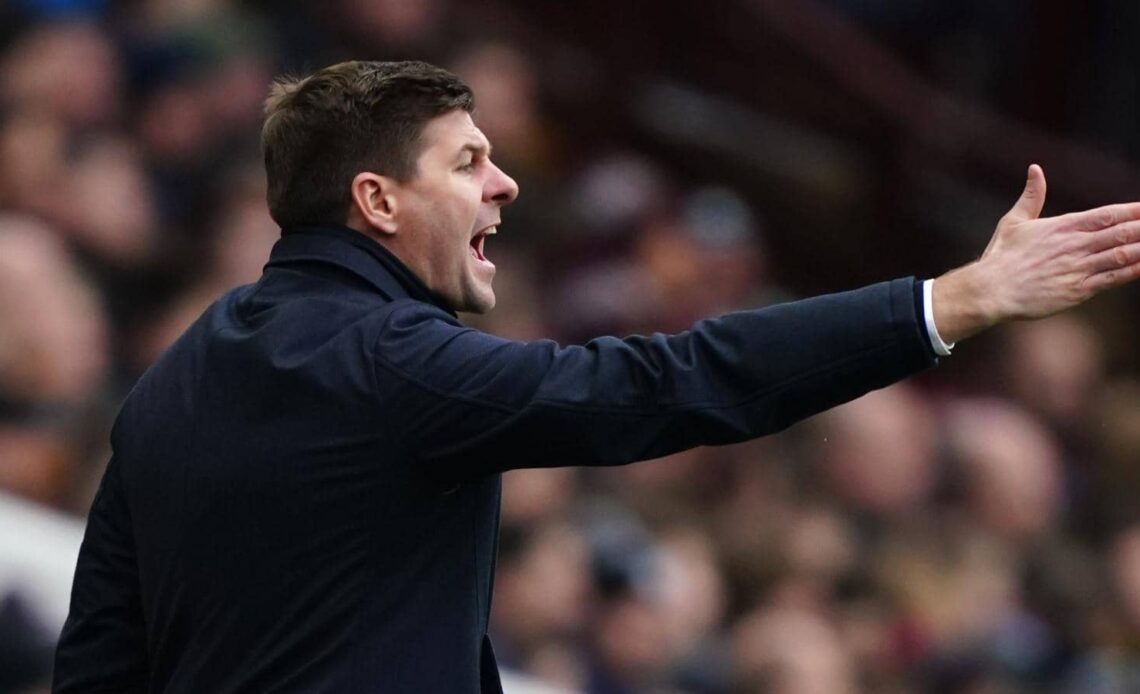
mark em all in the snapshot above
pixel 491 231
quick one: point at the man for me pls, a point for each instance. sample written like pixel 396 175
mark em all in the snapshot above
pixel 304 491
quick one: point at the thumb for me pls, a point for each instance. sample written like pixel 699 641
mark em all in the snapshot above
pixel 1032 199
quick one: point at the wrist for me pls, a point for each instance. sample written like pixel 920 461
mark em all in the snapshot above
pixel 963 304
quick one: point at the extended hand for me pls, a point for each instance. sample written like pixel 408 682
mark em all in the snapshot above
pixel 1035 267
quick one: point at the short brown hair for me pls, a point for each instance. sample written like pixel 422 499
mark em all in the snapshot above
pixel 322 130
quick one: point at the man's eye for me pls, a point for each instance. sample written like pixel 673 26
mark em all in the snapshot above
pixel 469 166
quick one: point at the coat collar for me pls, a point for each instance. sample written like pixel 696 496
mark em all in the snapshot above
pixel 353 251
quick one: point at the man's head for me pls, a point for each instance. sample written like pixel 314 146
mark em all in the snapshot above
pixel 390 149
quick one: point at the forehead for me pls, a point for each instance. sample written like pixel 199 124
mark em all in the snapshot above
pixel 451 132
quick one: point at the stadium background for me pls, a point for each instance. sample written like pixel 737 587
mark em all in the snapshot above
pixel 973 530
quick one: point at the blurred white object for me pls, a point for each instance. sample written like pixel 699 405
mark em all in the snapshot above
pixel 38 550
pixel 515 683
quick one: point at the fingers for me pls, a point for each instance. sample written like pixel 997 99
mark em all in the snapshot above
pixel 1119 235
pixel 1114 258
pixel 1032 199
pixel 1112 278
pixel 1103 217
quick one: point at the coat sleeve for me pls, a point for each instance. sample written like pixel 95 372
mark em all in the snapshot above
pixel 103 644
pixel 466 403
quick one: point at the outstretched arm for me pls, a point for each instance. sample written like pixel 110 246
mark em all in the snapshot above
pixel 1034 266
pixel 467 403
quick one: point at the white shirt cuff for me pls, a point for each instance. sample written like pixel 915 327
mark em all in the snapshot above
pixel 940 348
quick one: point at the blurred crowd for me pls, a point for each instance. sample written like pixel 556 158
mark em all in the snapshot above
pixel 974 530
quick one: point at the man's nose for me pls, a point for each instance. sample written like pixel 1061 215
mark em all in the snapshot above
pixel 500 187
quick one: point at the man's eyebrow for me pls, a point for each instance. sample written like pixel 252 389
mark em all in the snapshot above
pixel 476 148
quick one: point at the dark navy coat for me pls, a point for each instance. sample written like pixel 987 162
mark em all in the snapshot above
pixel 303 494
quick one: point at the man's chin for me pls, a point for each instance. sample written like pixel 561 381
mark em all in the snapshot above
pixel 478 302
pixel 482 307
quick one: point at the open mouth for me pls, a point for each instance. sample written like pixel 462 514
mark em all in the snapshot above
pixel 478 241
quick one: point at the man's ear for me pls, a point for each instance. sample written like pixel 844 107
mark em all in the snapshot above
pixel 374 201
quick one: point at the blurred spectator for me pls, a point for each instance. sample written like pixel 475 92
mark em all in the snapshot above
pixel 506 86
pixel 693 602
pixel 541 592
pixel 65 70
pixel 33 161
pixel 530 496
pixel 790 650
pixel 1011 465
pixel 53 349
pixel 1056 367
pixel 1125 560
pixel 1116 479
pixel 631 649
pixel 878 452
pixel 109 209
pixel 392 29
pixel 53 359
